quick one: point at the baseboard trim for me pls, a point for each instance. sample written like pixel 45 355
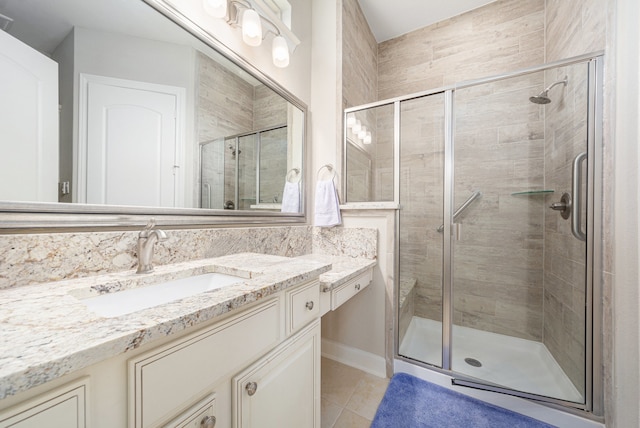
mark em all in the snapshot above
pixel 354 357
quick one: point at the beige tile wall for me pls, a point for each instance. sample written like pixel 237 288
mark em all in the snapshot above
pixel 359 57
pixel 496 153
pixel 502 36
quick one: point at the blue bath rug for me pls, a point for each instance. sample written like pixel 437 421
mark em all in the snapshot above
pixel 410 402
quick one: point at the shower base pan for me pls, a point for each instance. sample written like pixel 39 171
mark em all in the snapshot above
pixel 515 363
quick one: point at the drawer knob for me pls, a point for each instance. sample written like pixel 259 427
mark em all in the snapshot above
pixel 208 422
pixel 358 286
pixel 251 388
pixel 309 305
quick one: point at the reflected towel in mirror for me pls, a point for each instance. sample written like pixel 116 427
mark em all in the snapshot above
pixel 291 198
pixel 327 206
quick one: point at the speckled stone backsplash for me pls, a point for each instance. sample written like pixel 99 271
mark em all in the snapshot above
pixel 348 242
pixel 30 259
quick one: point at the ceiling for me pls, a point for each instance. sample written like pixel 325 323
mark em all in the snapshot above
pixel 388 19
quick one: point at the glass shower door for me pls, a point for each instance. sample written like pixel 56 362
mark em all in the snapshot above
pixel 422 156
pixel 519 266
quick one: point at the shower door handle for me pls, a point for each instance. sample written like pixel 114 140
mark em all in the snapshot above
pixel 576 189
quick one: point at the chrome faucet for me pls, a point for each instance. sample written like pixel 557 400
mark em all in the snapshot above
pixel 146 240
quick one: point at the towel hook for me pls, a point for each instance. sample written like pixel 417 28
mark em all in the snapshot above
pixel 295 172
pixel 329 168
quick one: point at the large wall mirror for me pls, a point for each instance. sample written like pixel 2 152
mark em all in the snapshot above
pixel 110 107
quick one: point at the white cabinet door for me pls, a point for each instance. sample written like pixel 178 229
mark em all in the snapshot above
pixel 29 123
pixel 282 389
pixel 61 408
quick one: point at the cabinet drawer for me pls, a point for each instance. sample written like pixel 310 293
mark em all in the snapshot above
pixel 197 416
pixel 350 289
pixel 61 408
pixel 166 380
pixel 303 305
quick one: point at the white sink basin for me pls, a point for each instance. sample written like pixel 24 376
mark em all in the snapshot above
pixel 135 299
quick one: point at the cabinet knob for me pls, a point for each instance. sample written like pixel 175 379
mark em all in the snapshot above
pixel 251 388
pixel 358 286
pixel 208 422
pixel 309 305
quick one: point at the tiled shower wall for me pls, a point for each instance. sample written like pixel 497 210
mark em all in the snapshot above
pixel 503 36
pixel 500 37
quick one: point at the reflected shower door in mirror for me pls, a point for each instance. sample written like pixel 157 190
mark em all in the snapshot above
pixel 111 103
pixel 369 155
pixel 247 168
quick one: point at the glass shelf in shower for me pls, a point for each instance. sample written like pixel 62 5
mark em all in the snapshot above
pixel 533 192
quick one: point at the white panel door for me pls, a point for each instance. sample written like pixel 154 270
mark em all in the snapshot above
pixel 132 144
pixel 29 123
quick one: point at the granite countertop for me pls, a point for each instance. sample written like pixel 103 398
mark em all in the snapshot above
pixel 343 269
pixel 47 332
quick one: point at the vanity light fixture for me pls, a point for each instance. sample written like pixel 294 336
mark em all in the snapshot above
pixel 351 120
pixel 362 133
pixel 356 127
pixel 280 52
pixel 367 138
pixel 216 8
pixel 251 28
pixel 256 18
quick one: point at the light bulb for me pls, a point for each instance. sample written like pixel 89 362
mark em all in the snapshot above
pixel 251 28
pixel 215 8
pixel 362 133
pixel 280 52
pixel 367 138
pixel 357 127
pixel 351 120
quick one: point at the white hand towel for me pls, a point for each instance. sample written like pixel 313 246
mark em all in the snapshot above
pixel 327 207
pixel 291 198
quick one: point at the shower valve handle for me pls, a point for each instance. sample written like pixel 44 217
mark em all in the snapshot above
pixel 564 206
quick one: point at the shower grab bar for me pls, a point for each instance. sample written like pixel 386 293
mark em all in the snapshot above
pixel 576 189
pixel 475 195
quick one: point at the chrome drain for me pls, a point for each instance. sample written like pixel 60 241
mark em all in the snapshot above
pixel 473 362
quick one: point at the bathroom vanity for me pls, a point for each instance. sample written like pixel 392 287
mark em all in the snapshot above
pixel 243 355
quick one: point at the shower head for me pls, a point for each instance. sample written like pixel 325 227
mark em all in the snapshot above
pixel 542 97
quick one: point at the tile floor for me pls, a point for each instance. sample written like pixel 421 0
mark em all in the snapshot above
pixel 350 397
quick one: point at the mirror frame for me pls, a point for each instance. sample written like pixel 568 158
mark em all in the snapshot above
pixel 41 217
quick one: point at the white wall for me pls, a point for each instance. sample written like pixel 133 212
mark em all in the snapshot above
pixel 124 57
pixel 626 296
pixel 359 331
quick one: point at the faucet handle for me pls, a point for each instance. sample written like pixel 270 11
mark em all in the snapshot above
pixel 144 233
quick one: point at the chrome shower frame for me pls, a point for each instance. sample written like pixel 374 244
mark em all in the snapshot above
pixel 594 400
